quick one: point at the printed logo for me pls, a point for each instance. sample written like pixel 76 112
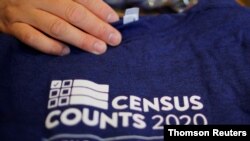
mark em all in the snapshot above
pixel 78 92
pixel 84 103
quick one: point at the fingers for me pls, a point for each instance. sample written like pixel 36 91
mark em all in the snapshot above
pixel 2 28
pixel 63 31
pixel 37 40
pixel 43 24
pixel 82 18
pixel 100 9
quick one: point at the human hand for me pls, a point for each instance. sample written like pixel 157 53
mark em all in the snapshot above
pixel 47 25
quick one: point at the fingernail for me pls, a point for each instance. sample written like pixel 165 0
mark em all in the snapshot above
pixel 112 18
pixel 65 51
pixel 114 39
pixel 99 48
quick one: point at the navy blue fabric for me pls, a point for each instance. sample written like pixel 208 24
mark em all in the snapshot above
pixel 200 59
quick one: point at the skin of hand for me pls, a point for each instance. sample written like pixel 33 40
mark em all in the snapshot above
pixel 244 2
pixel 48 25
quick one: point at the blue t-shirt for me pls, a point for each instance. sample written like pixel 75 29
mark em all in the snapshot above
pixel 191 68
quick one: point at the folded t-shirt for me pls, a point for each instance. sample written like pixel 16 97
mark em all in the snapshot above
pixel 172 69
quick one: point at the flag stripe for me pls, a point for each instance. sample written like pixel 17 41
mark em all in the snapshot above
pixel 89 92
pixel 84 100
pixel 92 85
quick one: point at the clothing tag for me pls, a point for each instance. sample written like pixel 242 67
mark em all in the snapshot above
pixel 131 15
